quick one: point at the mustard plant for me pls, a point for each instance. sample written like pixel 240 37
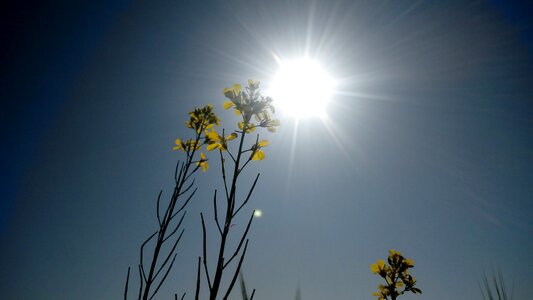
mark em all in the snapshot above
pixel 395 272
pixel 154 269
pixel 254 111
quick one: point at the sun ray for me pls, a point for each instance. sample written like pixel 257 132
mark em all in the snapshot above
pixel 293 153
pixel 334 133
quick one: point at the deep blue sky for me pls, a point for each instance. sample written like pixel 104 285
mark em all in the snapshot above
pixel 429 150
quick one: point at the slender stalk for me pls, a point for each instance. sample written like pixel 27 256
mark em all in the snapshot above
pixel 228 218
pixel 165 232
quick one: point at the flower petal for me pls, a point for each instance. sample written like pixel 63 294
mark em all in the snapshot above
pixel 213 135
pixel 237 88
pixel 263 143
pixel 228 104
pixel 258 155
pixel 231 136
pixel 213 146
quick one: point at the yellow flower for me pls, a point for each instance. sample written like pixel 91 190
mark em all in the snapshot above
pixel 228 92
pixel 409 262
pixel 213 146
pixel 228 104
pixel 253 84
pixel 258 155
pixel 250 127
pixel 190 144
pixel 394 252
pixel 202 163
pixel 237 88
pixel 249 103
pixel 231 136
pixel 202 118
pixel 269 123
pixel 215 141
pixel 396 276
pixel 213 136
pixel 378 266
pixel 263 143
pixel 179 145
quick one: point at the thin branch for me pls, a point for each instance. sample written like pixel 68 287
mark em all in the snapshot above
pixel 236 271
pixel 231 155
pixel 223 164
pixel 184 204
pixel 250 158
pixel 142 251
pixel 246 163
pixel 127 282
pixel 241 241
pixel 204 246
pixel 141 280
pixel 197 294
pixel 175 229
pixel 216 213
pixel 143 274
pixel 192 172
pixel 187 188
pixel 164 277
pixel 169 254
pixel 176 176
pixel 248 196
pixel 157 209
pixel 252 296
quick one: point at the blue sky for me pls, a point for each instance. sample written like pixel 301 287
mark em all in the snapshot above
pixel 429 149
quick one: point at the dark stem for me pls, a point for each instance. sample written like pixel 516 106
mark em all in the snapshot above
pixel 228 219
pixel 164 225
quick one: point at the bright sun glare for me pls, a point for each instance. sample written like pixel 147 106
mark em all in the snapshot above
pixel 302 88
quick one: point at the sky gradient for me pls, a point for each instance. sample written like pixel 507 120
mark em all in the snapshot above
pixel 427 148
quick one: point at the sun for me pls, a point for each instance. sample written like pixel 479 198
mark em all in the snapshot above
pixel 302 88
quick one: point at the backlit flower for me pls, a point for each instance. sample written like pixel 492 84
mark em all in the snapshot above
pixel 202 162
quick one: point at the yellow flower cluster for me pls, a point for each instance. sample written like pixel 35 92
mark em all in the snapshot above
pixel 250 103
pixel 247 103
pixel 396 275
pixel 201 120
pixel 257 154
pixel 216 141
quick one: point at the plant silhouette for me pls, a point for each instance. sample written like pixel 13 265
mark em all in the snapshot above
pixel 247 103
pixel 154 268
pixel 160 262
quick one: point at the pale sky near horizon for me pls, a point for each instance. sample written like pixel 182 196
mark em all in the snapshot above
pixel 428 147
